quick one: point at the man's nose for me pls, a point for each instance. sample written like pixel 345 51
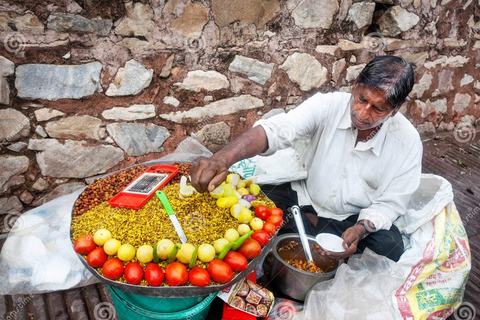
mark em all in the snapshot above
pixel 366 111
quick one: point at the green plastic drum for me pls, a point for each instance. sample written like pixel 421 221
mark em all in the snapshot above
pixel 136 307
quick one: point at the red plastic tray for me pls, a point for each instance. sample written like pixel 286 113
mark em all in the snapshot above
pixel 140 190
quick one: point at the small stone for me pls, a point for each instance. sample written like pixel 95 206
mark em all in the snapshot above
pixel 444 83
pixel 165 73
pixel 138 20
pixel 454 43
pixel 392 44
pixel 46 114
pixel 416 58
pixel 40 185
pixel 83 127
pixel 217 108
pixel 354 71
pixel 477 85
pixel 172 101
pixel 137 138
pixel 134 112
pixel 191 22
pixel 426 127
pixel 461 102
pixel 130 80
pixel 468 119
pixel 59 191
pixel 53 82
pixel 347 45
pixel 41 132
pixel 13 125
pixel 397 20
pixel 331 50
pixel 73 7
pixel 73 159
pixel 305 70
pixel 452 61
pixel 353 59
pixel 466 80
pixel 109 140
pixel 242 119
pixel 7 67
pixel 26 197
pixel 27 23
pixel 200 80
pixel 67 22
pixel 254 69
pixel 257 12
pixel 10 169
pixel 4 91
pixel 294 100
pixel 423 85
pixel 337 69
pixel 208 98
pixel 10 205
pixel 440 106
pixel 278 98
pixel 315 13
pixel 67 55
pixel 17 147
pixel 361 14
pixel 272 113
pixel 213 136
pixel 446 126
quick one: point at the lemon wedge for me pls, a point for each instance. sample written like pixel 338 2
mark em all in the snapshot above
pixel 218 192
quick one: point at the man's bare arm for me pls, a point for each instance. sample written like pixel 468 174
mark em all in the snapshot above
pixel 207 174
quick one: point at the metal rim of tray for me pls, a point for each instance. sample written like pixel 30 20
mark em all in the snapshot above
pixel 174 292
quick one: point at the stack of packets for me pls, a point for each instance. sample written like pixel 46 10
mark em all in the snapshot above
pixel 249 297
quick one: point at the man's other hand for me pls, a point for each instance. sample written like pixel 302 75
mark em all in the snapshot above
pixel 350 237
pixel 208 173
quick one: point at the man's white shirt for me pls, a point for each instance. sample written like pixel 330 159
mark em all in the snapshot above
pixel 375 179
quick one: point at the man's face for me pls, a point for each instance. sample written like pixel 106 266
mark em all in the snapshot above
pixel 369 108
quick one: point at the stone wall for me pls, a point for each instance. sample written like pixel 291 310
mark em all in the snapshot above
pixel 89 86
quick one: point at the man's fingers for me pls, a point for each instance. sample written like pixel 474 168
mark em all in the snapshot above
pixel 217 180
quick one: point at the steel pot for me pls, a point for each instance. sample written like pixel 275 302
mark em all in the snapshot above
pixel 294 282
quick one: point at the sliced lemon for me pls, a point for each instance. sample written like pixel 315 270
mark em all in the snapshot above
pixel 187 191
pixel 245 203
pixel 243 191
pixel 227 190
pixel 218 192
pixel 254 189
pixel 240 184
pixel 233 179
pixel 235 210
pixel 227 202
pixel 245 216
pixel 250 181
pixel 256 203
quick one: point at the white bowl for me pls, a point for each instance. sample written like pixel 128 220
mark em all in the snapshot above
pixel 330 242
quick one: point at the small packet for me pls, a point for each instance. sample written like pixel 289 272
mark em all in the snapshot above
pixel 249 297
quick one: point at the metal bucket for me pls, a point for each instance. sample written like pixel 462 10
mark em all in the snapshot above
pixel 294 282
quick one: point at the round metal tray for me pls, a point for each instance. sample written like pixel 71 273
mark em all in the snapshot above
pixel 180 291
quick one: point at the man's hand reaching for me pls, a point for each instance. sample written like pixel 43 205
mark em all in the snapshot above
pixel 350 237
pixel 208 173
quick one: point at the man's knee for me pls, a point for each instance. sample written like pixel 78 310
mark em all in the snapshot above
pixel 386 243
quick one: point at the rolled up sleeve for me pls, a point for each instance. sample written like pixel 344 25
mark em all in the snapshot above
pixel 394 200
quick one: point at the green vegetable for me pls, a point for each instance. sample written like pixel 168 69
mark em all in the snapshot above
pixel 194 258
pixel 173 254
pixel 240 240
pixel 225 250
pixel 155 254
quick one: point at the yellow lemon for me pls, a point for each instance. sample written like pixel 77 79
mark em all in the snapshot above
pixel 242 191
pixel 164 247
pixel 111 246
pixel 254 189
pixel 145 253
pixel 235 210
pixel 187 191
pixel 185 253
pixel 219 244
pixel 217 193
pixel 256 224
pixel 245 216
pixel 243 228
pixel 227 202
pixel 227 190
pixel 101 236
pixel 231 235
pixel 206 252
pixel 233 179
pixel 126 252
pixel 240 184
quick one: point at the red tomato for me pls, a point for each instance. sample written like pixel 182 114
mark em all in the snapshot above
pixel 250 248
pixel 133 273
pixel 236 261
pixel 276 211
pixel 262 212
pixel 112 269
pixel 220 271
pixel 84 244
pixel 261 236
pixel 176 274
pixel 276 220
pixel 199 277
pixel 154 274
pixel 97 258
pixel 269 228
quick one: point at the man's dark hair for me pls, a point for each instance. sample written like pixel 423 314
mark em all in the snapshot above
pixel 389 74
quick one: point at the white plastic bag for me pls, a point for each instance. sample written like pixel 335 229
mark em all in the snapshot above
pixel 38 254
pixel 427 282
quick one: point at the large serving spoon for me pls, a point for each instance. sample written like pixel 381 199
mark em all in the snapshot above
pixel 301 232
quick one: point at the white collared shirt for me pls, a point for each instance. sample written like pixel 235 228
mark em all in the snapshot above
pixel 375 179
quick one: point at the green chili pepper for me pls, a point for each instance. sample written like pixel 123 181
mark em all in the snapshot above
pixel 225 250
pixel 155 254
pixel 173 254
pixel 240 240
pixel 194 258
